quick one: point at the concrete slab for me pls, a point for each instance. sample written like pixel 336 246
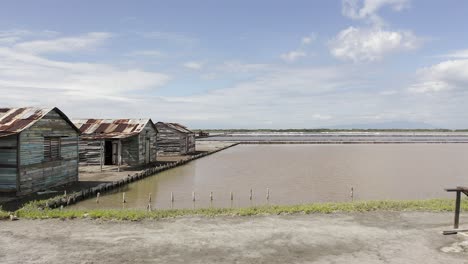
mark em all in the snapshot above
pixel 377 237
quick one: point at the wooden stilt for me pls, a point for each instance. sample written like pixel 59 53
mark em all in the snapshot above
pixel 457 210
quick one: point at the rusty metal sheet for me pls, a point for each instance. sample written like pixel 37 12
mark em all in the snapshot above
pixel 178 127
pixel 15 120
pixel 110 128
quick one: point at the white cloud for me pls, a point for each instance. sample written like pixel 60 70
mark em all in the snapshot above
pixel 87 41
pixel 240 67
pixel 463 54
pixel 293 55
pixel 308 39
pixel 8 37
pixel 368 9
pixel 234 69
pixel 174 37
pixel 362 44
pixel 193 65
pixel 146 53
pixel 444 76
pixel 23 67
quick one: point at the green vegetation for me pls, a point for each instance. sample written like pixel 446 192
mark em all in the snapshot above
pixel 33 211
pixel 3 214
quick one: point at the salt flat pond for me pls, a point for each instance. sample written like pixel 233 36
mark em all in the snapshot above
pixel 300 174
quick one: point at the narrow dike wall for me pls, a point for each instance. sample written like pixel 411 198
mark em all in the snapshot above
pixel 350 142
pixel 104 187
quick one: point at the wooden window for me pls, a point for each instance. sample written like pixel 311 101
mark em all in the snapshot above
pixel 51 148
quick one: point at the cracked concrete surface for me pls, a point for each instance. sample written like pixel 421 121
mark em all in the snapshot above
pixel 378 237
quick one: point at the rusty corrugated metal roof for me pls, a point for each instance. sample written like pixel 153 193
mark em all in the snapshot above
pixel 111 128
pixel 178 127
pixel 15 120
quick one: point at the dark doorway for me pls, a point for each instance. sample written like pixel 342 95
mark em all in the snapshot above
pixel 108 153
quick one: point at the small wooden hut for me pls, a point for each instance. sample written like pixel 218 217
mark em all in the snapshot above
pixel 38 149
pixel 117 141
pixel 175 139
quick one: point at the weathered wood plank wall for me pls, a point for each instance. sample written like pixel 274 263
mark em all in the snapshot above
pixel 8 163
pixel 130 151
pixel 133 148
pixel 147 133
pixel 173 142
pixel 90 152
pixel 37 173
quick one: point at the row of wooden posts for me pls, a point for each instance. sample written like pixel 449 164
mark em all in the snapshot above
pixel 124 200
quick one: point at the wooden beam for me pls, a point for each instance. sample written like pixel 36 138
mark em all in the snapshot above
pixel 18 162
pixel 454 232
pixel 10 147
pixel 457 210
pixel 9 166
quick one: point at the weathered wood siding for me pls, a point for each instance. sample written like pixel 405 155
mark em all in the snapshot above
pixel 133 149
pixel 8 163
pixel 191 143
pixel 173 142
pixel 90 152
pixel 36 173
pixel 130 151
pixel 148 133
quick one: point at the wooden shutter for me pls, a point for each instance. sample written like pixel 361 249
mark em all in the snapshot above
pixel 52 148
pixel 55 148
pixel 47 148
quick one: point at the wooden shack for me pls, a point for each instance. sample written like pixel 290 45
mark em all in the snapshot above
pixel 38 150
pixel 117 141
pixel 175 139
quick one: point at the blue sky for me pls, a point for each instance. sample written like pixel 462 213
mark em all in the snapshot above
pixel 240 64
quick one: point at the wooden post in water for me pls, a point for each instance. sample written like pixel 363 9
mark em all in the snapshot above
pixel 149 198
pixel 232 196
pixel 352 194
pixel 193 196
pixel 97 197
pixel 123 198
pixel 251 194
pixel 172 197
pixel 268 194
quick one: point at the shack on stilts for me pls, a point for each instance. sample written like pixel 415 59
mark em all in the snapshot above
pixel 118 142
pixel 174 139
pixel 38 150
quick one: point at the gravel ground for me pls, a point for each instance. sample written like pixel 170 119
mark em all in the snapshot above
pixel 378 237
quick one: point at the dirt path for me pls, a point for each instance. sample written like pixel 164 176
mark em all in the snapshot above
pixel 335 238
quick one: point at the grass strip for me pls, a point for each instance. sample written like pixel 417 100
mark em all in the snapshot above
pixel 3 214
pixel 33 211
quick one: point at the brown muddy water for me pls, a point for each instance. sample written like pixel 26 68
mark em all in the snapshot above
pixel 298 174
